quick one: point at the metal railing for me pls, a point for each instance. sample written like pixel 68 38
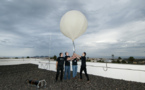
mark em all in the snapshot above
pixel 105 68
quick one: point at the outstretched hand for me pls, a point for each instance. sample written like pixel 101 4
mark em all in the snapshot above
pixel 76 56
pixel 73 57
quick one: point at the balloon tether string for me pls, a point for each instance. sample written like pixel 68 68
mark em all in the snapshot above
pixel 73 47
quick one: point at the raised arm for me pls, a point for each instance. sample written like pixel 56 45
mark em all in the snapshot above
pixel 78 56
pixel 70 58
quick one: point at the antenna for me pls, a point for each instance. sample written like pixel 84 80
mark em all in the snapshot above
pixel 49 49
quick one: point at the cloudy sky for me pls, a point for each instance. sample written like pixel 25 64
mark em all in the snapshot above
pixel 31 27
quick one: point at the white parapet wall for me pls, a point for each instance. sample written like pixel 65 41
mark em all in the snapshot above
pixel 116 71
pixel 4 62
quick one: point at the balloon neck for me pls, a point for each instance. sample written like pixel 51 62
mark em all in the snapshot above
pixel 73 47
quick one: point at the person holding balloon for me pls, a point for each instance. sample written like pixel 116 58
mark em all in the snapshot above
pixel 83 65
pixel 67 66
pixel 74 66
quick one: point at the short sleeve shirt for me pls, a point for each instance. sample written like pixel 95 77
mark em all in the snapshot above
pixel 60 61
pixel 83 61
pixel 74 62
pixel 67 62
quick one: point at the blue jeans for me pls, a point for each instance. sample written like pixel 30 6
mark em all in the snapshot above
pixel 67 72
pixel 74 70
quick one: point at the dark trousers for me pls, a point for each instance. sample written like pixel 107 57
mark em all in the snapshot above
pixel 57 73
pixel 85 70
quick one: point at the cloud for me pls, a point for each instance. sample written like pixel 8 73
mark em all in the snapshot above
pixel 116 40
pixel 113 27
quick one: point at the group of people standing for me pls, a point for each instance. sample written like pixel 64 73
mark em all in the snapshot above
pixel 67 59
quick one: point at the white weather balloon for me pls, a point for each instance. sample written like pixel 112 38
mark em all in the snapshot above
pixel 73 24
